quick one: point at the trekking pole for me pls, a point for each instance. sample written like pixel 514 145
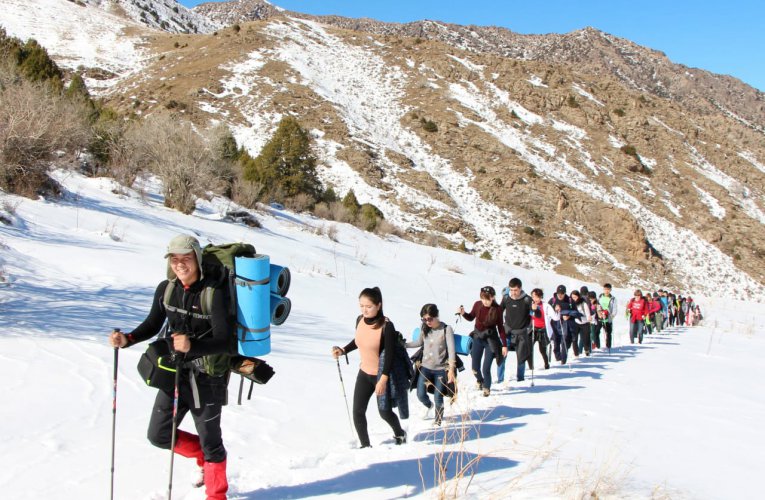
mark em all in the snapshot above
pixel 114 411
pixel 345 397
pixel 173 436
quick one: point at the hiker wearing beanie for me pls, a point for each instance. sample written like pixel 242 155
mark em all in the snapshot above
pixel 190 337
pixel 560 323
pixel 489 340
pixel 439 360
pixel 375 339
pixel 517 307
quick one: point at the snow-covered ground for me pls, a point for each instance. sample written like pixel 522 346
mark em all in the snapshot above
pixel 677 417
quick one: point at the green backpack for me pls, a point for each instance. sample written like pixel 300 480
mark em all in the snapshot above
pixel 220 257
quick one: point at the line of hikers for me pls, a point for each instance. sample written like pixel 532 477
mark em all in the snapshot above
pixel 200 325
pixel 566 321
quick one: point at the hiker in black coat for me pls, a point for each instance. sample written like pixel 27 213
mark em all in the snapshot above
pixel 192 336
pixel 517 307
pixel 563 325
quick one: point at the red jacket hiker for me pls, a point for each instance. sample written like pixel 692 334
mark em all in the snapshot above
pixel 638 309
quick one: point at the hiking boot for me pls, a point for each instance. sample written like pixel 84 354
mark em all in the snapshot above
pixel 486 391
pixel 401 439
pixel 479 385
pixel 427 413
pixel 198 479
pixel 439 416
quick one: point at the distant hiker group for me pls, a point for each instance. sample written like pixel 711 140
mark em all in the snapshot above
pixel 580 321
pixel 208 330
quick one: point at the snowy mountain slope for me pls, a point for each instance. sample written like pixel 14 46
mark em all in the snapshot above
pixel 167 15
pixel 589 50
pixel 78 36
pixel 369 93
pixel 531 163
pixel 667 418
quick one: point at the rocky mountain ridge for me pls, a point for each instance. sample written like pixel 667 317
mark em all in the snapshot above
pixel 588 50
pixel 539 164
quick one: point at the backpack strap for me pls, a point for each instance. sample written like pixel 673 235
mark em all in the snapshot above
pixel 206 302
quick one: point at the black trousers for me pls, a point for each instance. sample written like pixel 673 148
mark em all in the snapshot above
pixel 609 328
pixel 540 335
pixel 362 393
pixel 212 397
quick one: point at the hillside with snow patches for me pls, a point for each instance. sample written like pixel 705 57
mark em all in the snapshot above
pixel 695 223
pixel 365 89
pixel 666 419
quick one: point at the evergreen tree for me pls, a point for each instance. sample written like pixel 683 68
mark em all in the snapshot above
pixel 77 88
pixel 329 195
pixel 286 162
pixel 37 66
pixel 351 203
pixel 226 147
pixel 370 216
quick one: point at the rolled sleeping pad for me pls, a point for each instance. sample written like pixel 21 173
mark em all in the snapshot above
pixel 253 305
pixel 280 309
pixel 416 334
pixel 462 343
pixel 280 280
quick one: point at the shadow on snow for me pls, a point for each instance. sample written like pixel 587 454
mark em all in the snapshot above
pixel 416 473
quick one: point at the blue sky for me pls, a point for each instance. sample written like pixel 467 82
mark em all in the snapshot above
pixel 722 37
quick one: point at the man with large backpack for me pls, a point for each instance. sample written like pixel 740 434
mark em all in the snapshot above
pixel 517 307
pixel 194 334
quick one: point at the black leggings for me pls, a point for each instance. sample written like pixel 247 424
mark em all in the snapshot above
pixel 362 393
pixel 540 335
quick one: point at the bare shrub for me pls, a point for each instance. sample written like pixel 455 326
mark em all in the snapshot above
pixel 431 240
pixel 332 232
pixel 385 228
pixel 34 123
pixel 126 156
pixel 10 206
pixel 340 213
pixel 301 202
pixel 246 193
pixel 595 480
pixel 361 256
pixel 180 156
pixel 322 211
pixel 454 268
